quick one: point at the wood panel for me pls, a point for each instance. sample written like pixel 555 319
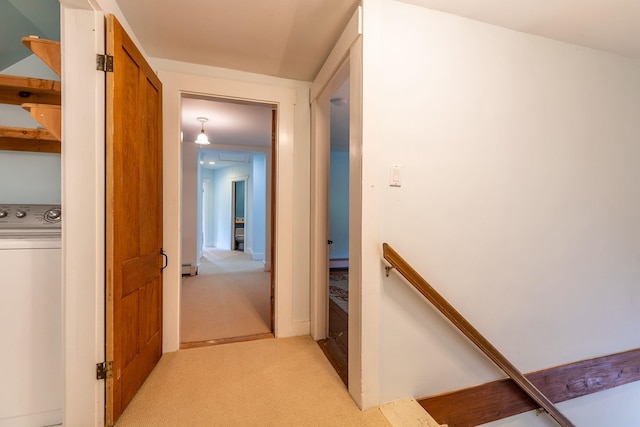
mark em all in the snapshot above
pixel 500 399
pixel 134 220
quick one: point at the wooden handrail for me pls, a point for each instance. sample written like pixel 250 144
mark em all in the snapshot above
pixel 412 276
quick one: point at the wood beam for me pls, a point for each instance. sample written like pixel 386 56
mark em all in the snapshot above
pixel 47 50
pixel 49 116
pixel 24 139
pixel 17 90
pixel 493 401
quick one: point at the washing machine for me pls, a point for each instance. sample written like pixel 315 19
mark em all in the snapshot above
pixel 31 387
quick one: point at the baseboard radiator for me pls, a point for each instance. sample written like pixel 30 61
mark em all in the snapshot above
pixel 189 269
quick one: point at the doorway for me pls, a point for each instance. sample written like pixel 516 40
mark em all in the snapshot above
pixel 239 207
pixel 336 344
pixel 344 63
pixel 226 291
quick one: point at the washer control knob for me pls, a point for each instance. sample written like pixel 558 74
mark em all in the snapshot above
pixel 21 214
pixel 53 215
pixel 3 214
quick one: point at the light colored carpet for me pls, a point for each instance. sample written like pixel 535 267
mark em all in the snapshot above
pixel 271 382
pixel 230 297
pixel 215 261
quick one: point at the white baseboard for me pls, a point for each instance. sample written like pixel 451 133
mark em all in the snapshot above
pixel 293 329
pixel 189 269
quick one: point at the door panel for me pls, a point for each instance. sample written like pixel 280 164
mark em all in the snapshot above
pixel 133 220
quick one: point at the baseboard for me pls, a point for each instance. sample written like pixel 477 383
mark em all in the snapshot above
pixel 293 329
pixel 339 263
pixel 189 269
pixel 492 401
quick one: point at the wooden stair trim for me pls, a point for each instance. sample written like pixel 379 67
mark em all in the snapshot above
pixel 49 116
pixel 47 50
pixel 496 400
pixel 25 139
pixel 412 276
pixel 17 90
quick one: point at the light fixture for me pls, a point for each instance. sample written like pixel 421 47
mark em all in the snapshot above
pixel 202 138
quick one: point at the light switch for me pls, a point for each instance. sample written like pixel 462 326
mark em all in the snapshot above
pixel 394 176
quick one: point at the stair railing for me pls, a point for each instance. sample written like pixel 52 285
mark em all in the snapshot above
pixel 412 276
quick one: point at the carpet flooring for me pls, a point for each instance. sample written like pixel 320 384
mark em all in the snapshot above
pixel 271 382
pixel 230 297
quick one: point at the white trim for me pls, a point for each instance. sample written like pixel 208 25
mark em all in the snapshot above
pixel 83 102
pixel 345 61
pixel 340 51
pixel 174 84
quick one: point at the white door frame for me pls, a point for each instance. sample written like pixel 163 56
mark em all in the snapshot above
pixel 344 61
pixel 176 84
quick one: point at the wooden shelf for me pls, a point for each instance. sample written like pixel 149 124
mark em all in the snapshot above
pixel 49 116
pixel 47 50
pixel 17 90
pixel 24 139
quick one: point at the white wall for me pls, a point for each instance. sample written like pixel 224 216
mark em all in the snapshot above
pixel 255 241
pixel 217 223
pixel 28 177
pixel 221 219
pixel 519 157
pixel 189 204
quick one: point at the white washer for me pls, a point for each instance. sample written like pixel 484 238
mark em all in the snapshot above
pixel 30 316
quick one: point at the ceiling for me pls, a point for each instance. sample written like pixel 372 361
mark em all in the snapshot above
pixel 608 25
pixel 292 38
pixel 233 128
pixel 284 38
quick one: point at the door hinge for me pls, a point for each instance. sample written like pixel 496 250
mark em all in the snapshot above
pixel 104 63
pixel 104 370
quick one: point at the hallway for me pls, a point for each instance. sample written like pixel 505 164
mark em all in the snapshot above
pixel 229 298
pixel 270 382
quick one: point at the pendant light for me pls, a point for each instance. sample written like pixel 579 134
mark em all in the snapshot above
pixel 202 137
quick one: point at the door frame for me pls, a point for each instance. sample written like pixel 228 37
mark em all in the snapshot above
pixel 174 86
pixel 344 61
pixel 235 180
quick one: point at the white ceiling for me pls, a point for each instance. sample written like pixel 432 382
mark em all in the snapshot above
pixel 608 25
pixel 284 38
pixel 230 124
pixel 292 38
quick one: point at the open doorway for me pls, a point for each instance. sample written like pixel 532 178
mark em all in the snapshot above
pixel 226 291
pixel 239 206
pixel 336 344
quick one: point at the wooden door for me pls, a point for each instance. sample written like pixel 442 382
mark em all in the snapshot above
pixel 133 220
